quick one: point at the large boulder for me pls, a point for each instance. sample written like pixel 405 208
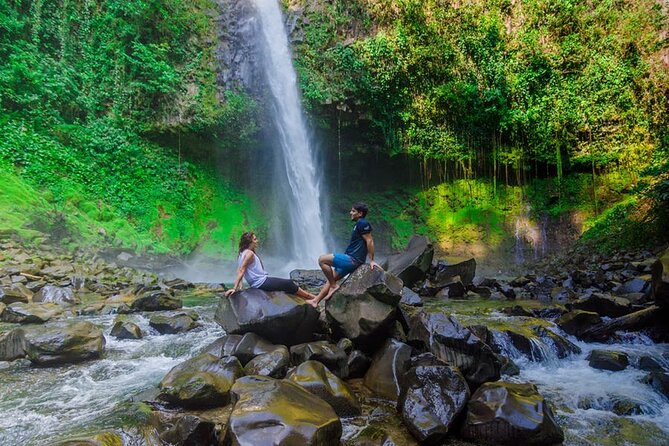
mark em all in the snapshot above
pixel 433 394
pixel 156 300
pixel 576 322
pixel 503 413
pixel 21 313
pixel 14 293
pixel 12 345
pixel 449 341
pixel 388 365
pixel 604 305
pixel 317 379
pixel 412 264
pixel 280 413
pixel 223 346
pixel 274 363
pixel 466 270
pixel 201 382
pixel 277 316
pixel 364 308
pixel 64 342
pixel 608 360
pixel 330 355
pixel 56 295
pixel 173 322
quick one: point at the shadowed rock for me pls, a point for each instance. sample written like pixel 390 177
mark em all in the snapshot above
pixel 277 316
pixel 172 323
pixel 433 394
pixel 317 379
pixel 12 345
pixel 449 341
pixel 387 368
pixel 358 364
pixel 412 264
pixel 660 273
pixel 201 382
pixel 126 330
pixel 333 357
pixel 64 342
pixel 446 272
pixel 278 412
pixel 604 305
pixel 224 346
pixel 364 308
pixel 577 321
pixel 510 414
pixel 190 430
pixel 252 345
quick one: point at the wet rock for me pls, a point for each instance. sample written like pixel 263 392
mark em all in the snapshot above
pixel 308 278
pixel 12 345
pixel 125 330
pixel 516 310
pixel 577 321
pixel 31 313
pixel 172 323
pixel 659 381
pixel 358 364
pixel 372 436
pixel 452 290
pixel 156 300
pixel 330 355
pixel 509 368
pixel 279 412
pixel 510 414
pixel 56 295
pixel 252 345
pixel 277 316
pixel 445 272
pixel 224 346
pixel 201 382
pixel 650 364
pixel 314 377
pixel 411 298
pixel 101 439
pixel 604 305
pixel 274 363
pixel 560 345
pixel 388 366
pixel 64 342
pixel 12 294
pixel 365 307
pixel 413 263
pixel 608 360
pixel 190 430
pixel 449 341
pixel 432 395
pixel 642 284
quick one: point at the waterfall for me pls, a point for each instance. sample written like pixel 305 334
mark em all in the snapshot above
pixel 299 202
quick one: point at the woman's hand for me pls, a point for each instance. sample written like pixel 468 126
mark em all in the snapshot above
pixel 230 292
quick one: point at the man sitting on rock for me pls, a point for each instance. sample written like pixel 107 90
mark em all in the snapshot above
pixel 337 265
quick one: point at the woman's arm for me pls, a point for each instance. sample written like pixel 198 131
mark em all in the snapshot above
pixel 246 261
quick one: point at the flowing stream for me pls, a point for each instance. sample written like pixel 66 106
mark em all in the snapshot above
pixel 300 199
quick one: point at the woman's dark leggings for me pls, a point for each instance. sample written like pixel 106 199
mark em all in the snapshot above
pixel 276 284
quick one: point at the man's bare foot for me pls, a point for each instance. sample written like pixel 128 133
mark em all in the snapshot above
pixel 313 302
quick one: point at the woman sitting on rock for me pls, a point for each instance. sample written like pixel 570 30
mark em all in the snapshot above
pixel 250 267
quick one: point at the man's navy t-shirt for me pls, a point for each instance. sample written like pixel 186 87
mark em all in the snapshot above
pixel 357 248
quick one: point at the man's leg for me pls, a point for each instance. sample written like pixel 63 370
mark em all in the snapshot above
pixel 325 262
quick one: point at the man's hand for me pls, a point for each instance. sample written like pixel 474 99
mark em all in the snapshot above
pixel 230 292
pixel 373 264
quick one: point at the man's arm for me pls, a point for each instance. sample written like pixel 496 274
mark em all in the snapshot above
pixel 370 249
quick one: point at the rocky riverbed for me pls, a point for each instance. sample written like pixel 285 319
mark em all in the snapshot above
pixel 93 352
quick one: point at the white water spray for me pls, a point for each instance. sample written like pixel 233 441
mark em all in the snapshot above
pixel 301 200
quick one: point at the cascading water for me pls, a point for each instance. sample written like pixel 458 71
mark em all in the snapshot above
pixel 300 201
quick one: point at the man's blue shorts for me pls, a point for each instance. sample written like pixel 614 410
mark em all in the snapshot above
pixel 344 264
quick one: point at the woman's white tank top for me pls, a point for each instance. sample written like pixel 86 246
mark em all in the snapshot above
pixel 255 274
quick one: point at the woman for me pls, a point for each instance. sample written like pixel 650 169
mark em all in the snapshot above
pixel 251 268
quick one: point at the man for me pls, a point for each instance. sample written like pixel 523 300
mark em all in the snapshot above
pixel 335 266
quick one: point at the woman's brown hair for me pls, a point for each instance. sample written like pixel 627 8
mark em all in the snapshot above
pixel 245 240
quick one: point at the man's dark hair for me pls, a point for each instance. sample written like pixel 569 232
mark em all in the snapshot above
pixel 362 208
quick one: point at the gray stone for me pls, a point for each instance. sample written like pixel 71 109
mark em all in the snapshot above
pixel 38 313
pixel 412 264
pixel 608 360
pixel 56 295
pixel 12 345
pixel 387 368
pixel 330 355
pixel 273 364
pixel 64 342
